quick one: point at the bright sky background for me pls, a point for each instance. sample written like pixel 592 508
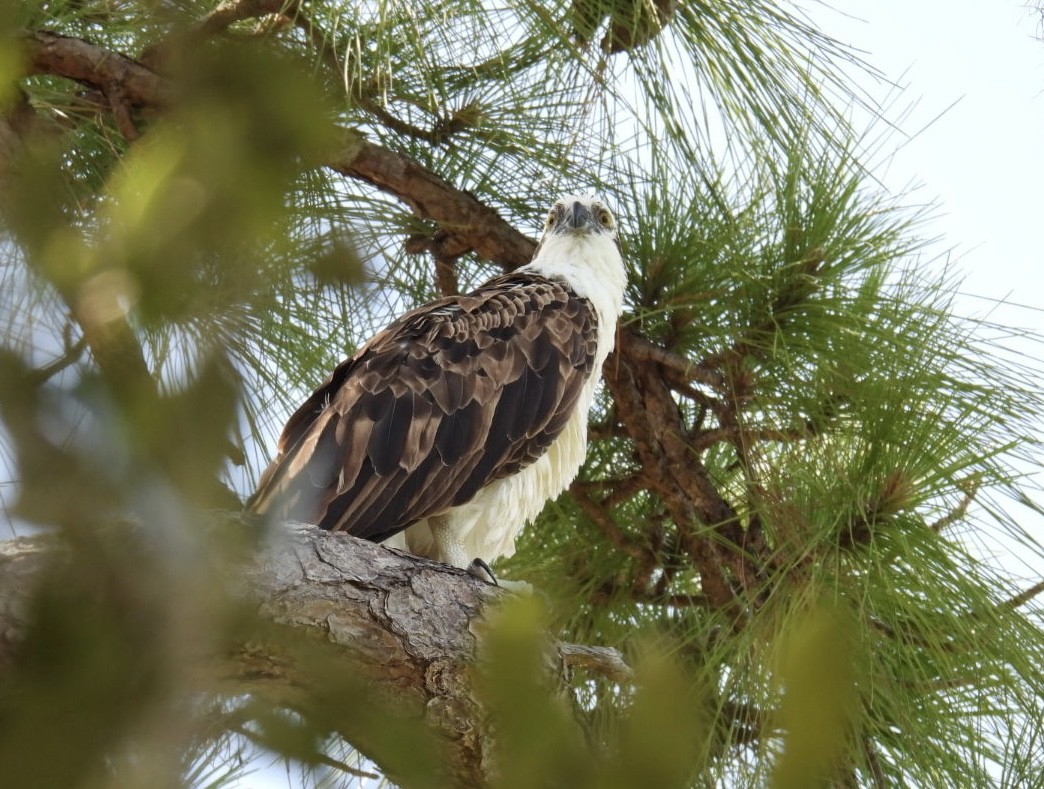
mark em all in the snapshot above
pixel 974 70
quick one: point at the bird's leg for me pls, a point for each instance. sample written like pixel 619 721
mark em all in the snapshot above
pixel 448 547
pixel 450 550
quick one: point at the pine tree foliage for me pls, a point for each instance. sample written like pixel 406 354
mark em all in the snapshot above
pixel 796 451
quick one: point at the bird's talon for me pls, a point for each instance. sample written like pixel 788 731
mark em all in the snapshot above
pixel 479 569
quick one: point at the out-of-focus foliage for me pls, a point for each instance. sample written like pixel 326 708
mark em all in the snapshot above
pixel 538 741
pixel 172 282
pixel 165 257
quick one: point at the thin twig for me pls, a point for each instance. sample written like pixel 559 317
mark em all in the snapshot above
pixel 71 356
pixel 745 721
pixel 446 277
pixel 970 487
pixel 602 660
pixel 873 761
pixel 320 757
pixel 619 490
pixel 227 14
pixel 1024 597
pixel 318 36
pixel 445 259
pixel 679 600
pixel 596 512
pixel 735 433
pixel 121 111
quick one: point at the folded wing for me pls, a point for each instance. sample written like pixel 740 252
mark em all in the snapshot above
pixel 447 399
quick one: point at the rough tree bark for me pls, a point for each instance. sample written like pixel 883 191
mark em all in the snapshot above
pixel 413 626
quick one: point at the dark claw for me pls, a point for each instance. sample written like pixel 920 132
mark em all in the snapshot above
pixel 481 570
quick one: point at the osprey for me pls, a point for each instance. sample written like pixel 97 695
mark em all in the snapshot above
pixel 451 428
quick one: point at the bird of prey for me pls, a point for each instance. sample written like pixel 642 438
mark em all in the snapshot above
pixel 450 429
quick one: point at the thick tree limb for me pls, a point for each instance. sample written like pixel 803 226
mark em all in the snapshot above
pixel 411 625
pixel 74 58
pixel 469 224
pixel 20 561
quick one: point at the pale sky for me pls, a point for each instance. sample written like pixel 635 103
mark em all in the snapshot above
pixel 975 70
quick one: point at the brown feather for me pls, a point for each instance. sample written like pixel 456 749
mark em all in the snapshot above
pixel 447 399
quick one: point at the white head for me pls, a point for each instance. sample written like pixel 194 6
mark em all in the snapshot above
pixel 580 245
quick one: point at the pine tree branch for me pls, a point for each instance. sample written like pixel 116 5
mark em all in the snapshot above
pixel 745 723
pixel 445 264
pixel 677 369
pixel 76 59
pixel 218 21
pixel 736 434
pixel 1025 596
pixel 970 487
pixel 616 491
pixel 600 517
pixel 604 661
pixel 322 758
pixel 873 761
pixel 647 408
pixel 124 82
pixel 73 353
pixel 228 13
pixel 121 112
pixel 469 224
pixel 675 600
pixel 18 123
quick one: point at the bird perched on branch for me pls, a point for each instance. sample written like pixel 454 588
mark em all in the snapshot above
pixel 451 428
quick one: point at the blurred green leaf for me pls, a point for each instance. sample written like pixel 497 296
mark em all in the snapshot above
pixel 536 742
pixel 664 732
pixel 818 671
pixel 90 669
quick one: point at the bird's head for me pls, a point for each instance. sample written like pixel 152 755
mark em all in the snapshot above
pixel 580 244
pixel 576 215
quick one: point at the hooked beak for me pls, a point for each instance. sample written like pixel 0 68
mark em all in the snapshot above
pixel 578 217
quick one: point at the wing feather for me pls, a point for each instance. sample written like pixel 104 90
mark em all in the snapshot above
pixel 447 399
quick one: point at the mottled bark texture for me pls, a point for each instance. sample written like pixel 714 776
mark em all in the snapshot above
pixel 412 627
pixel 408 621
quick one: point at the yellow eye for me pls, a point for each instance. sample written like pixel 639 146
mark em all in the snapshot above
pixel 605 218
pixel 550 220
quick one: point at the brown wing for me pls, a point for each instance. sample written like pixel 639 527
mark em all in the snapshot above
pixel 445 400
